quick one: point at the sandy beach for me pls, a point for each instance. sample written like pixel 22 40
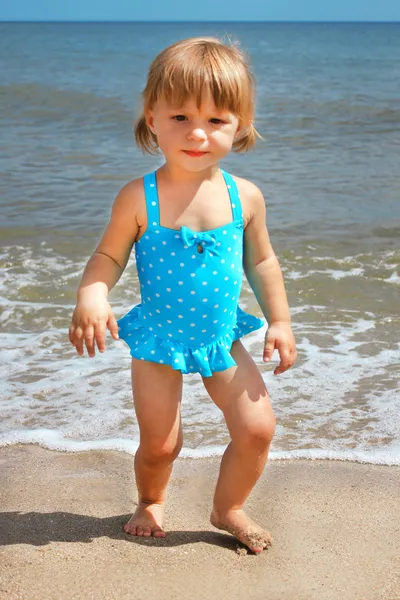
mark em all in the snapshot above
pixel 335 528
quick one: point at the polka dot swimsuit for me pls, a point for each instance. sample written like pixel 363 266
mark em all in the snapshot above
pixel 190 285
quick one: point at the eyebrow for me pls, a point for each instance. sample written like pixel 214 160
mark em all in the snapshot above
pixel 217 111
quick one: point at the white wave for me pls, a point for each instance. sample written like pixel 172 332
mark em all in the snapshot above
pixel 52 440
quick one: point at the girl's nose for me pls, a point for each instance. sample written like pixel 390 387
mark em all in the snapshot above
pixel 197 134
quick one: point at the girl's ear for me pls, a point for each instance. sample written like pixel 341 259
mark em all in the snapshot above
pixel 238 132
pixel 149 116
pixel 241 130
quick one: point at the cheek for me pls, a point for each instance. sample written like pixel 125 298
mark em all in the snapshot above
pixel 223 138
pixel 169 138
pixel 166 132
pixel 173 133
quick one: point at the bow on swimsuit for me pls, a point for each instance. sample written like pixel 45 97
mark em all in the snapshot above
pixel 190 284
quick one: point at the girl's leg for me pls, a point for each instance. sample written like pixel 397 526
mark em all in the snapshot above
pixel 157 393
pixel 241 394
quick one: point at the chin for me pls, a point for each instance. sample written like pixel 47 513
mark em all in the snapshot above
pixel 198 168
pixel 200 163
pixel 196 164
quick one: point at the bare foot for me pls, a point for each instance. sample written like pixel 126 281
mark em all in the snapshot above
pixel 238 524
pixel 146 521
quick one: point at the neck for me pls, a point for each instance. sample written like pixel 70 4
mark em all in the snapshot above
pixel 178 175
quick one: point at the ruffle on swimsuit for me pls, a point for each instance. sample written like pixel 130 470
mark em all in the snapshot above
pixel 203 359
pixel 190 285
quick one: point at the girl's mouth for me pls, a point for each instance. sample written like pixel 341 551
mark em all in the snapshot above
pixel 194 153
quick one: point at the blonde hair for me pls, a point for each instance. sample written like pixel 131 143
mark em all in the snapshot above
pixel 183 71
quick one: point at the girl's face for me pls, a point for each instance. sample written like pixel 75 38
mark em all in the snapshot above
pixel 193 138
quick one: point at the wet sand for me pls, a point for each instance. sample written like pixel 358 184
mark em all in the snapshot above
pixel 335 529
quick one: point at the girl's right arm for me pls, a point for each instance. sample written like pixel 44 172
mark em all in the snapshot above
pixel 93 314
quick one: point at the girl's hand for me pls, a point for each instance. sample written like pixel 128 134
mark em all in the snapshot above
pixel 280 337
pixel 91 317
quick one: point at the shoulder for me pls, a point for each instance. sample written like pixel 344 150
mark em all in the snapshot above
pixel 131 201
pixel 252 199
pixel 257 245
pixel 131 192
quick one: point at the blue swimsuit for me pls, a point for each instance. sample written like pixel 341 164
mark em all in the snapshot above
pixel 190 285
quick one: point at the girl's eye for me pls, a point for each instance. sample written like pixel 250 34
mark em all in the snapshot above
pixel 179 118
pixel 216 121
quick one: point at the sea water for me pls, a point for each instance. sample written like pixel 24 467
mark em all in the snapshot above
pixel 328 108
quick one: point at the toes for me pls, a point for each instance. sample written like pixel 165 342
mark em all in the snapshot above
pixel 158 533
pixel 129 529
pixel 144 531
pixel 257 542
pixel 267 540
pixel 255 549
pixel 260 545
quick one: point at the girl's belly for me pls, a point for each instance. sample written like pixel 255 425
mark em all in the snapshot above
pixel 194 313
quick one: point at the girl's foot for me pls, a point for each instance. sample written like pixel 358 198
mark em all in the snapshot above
pixel 146 521
pixel 238 524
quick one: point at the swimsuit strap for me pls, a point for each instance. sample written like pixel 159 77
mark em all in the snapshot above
pixel 151 194
pixel 233 196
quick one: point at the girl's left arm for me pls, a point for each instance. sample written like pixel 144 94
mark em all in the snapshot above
pixel 264 275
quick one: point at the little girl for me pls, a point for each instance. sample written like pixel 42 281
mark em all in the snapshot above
pixel 195 228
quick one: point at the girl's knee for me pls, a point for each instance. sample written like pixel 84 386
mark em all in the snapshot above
pixel 256 436
pixel 156 452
